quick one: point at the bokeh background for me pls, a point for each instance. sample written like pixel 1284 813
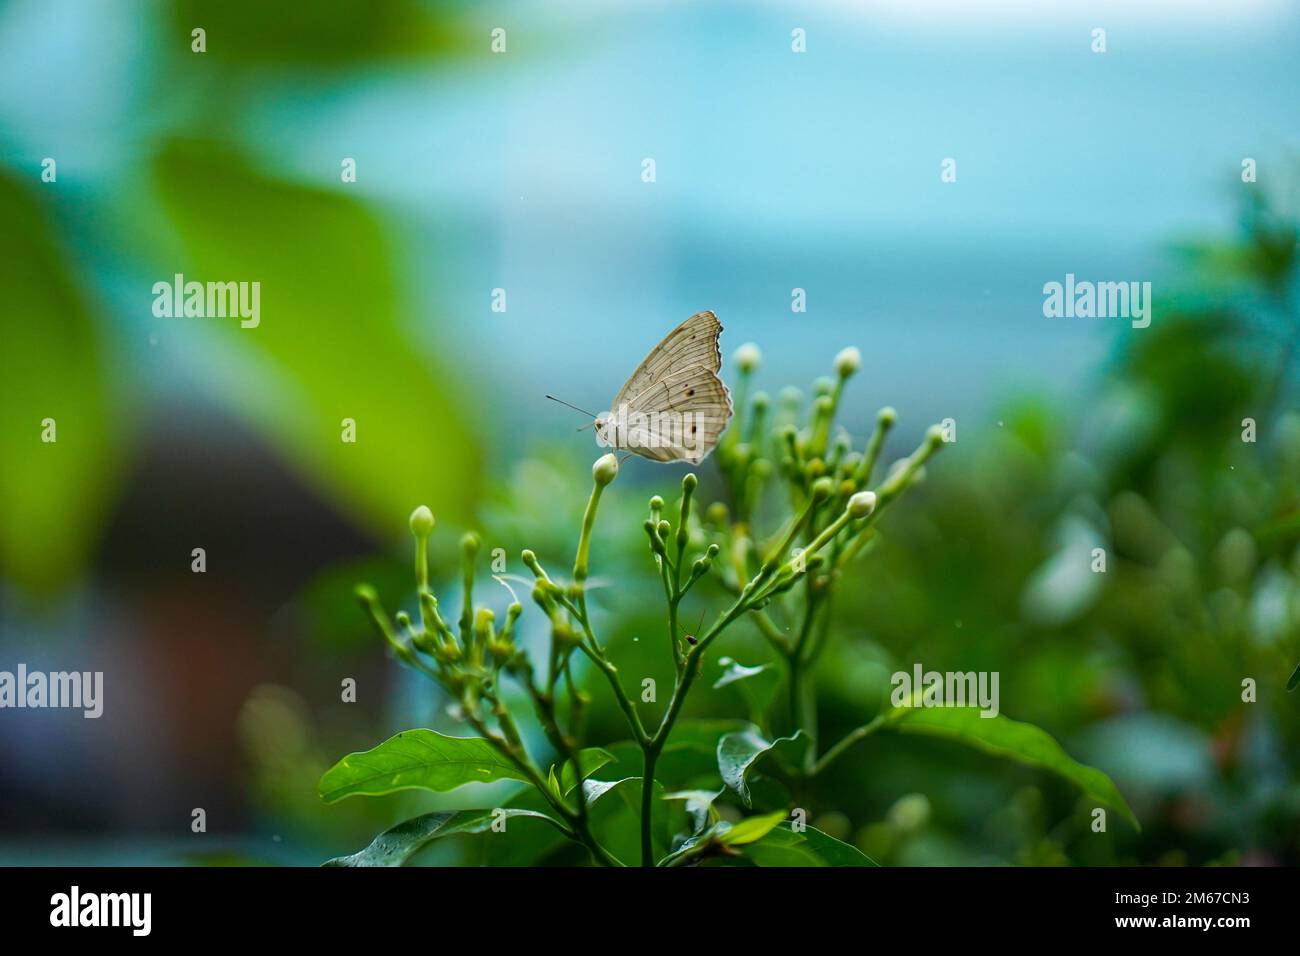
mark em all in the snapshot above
pixel 522 171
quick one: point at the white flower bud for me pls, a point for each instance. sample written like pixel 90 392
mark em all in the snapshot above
pixel 747 357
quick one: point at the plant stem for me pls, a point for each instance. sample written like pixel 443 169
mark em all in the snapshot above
pixel 849 739
pixel 649 757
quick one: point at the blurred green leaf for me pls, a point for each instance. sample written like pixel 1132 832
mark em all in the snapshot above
pixel 416 759
pixel 52 367
pixel 395 846
pixel 783 847
pixel 1003 737
pixel 751 829
pixel 324 32
pixel 329 345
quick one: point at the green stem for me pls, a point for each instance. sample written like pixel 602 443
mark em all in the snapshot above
pixel 649 757
pixel 849 739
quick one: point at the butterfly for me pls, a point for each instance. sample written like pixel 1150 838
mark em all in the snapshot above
pixel 675 406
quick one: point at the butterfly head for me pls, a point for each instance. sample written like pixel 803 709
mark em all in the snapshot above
pixel 605 432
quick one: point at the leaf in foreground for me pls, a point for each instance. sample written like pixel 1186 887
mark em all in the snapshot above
pixel 782 846
pixel 416 759
pixel 739 753
pixel 395 846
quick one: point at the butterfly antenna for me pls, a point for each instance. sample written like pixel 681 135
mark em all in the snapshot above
pixel 574 407
pixel 506 584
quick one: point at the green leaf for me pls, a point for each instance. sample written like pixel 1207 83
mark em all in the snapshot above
pixel 784 847
pixel 417 759
pixel 1004 737
pixel 552 784
pixel 331 344
pixel 751 829
pixel 53 365
pixel 592 759
pixel 398 844
pixel 689 760
pixel 741 752
pixel 757 685
pixel 699 807
pixel 1295 678
pixel 617 822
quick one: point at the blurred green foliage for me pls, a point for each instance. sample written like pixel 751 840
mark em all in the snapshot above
pixel 337 339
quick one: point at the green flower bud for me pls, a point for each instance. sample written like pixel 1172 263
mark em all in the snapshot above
pixel 469 544
pixel 887 417
pixel 605 469
pixel 717 514
pixel 822 488
pixel 934 436
pixel 564 635
pixel 656 503
pixel 421 522
pixel 501 650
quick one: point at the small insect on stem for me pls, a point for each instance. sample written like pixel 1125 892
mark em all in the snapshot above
pixel 691 639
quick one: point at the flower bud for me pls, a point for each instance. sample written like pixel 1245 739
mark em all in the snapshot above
pixel 421 522
pixel 469 544
pixel 847 362
pixel 822 488
pixel 747 357
pixel 564 635
pixel 862 504
pixel 887 416
pixel 605 469
pixel 500 649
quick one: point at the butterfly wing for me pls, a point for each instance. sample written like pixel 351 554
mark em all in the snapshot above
pixel 678 388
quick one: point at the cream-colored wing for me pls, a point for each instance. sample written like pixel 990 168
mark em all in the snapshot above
pixel 694 342
pixel 681 418
pixel 675 404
